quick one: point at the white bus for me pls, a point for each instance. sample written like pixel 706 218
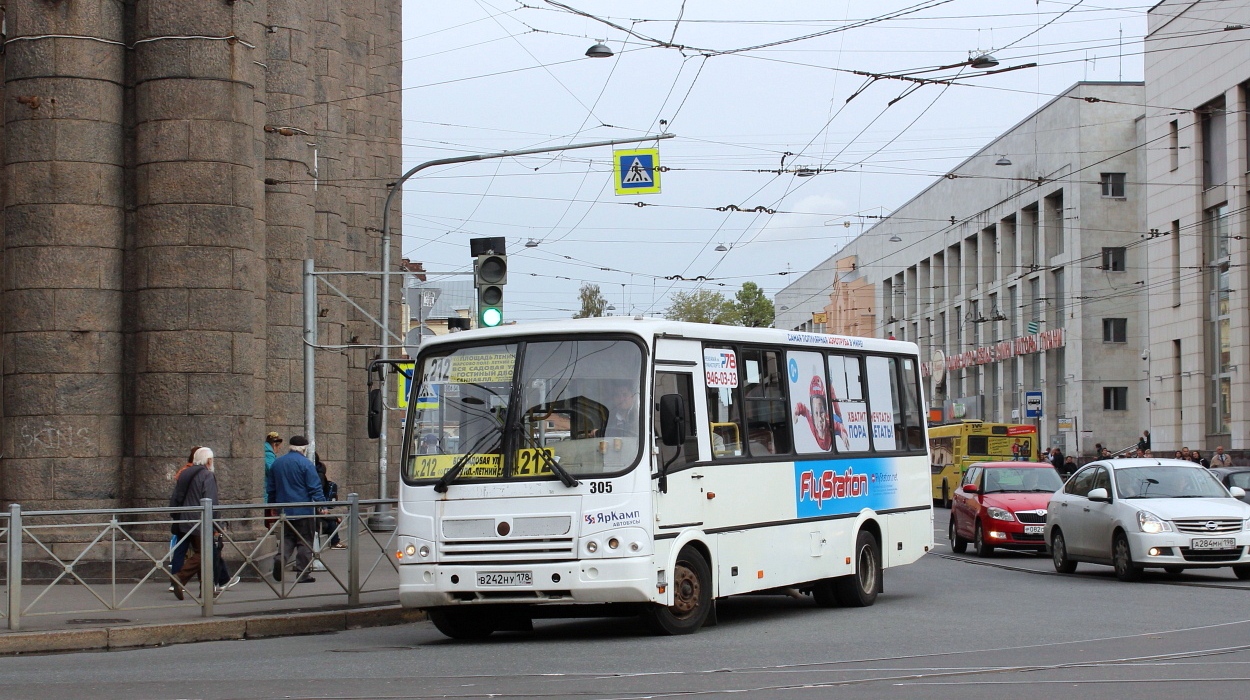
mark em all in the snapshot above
pixel 769 461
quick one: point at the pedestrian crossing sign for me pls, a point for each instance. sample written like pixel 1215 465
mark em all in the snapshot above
pixel 403 387
pixel 637 171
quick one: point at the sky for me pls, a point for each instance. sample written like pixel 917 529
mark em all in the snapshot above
pixel 753 92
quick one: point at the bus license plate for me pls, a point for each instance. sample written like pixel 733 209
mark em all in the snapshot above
pixel 505 578
pixel 1034 529
pixel 1210 543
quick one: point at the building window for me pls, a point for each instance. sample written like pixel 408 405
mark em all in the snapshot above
pixel 1115 330
pixel 1174 144
pixel 1115 398
pixel 1219 319
pixel 1113 184
pixel 1214 143
pixel 1113 259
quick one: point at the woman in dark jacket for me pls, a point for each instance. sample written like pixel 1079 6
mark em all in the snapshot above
pixel 329 526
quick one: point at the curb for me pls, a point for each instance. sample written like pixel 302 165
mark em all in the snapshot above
pixel 211 630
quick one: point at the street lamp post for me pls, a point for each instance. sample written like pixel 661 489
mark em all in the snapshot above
pixel 382 519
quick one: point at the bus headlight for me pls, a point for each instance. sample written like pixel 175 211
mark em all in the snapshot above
pixel 411 550
pixel 592 546
pixel 614 543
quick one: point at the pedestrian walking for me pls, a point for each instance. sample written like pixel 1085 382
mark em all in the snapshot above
pixel 1197 458
pixel 178 552
pixel 329 526
pixel 1143 442
pixel 293 479
pixel 195 483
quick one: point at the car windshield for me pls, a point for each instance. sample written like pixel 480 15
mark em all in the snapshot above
pixel 1164 481
pixel 1022 480
pixel 573 405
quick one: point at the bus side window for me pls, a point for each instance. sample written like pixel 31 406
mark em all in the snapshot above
pixel 913 416
pixel 768 420
pixel 724 401
pixel 683 384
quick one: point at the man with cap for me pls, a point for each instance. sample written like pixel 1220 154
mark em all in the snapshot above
pixel 293 479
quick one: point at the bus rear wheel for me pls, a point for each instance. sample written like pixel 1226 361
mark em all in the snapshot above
pixel 692 597
pixel 462 623
pixel 860 589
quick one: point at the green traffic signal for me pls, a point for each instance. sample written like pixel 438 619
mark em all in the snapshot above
pixel 490 317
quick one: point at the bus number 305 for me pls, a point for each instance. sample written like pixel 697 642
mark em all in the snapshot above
pixel 601 487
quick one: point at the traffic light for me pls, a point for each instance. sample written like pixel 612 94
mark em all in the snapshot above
pixel 490 274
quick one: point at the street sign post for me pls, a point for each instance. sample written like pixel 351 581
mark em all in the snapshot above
pixel 1032 404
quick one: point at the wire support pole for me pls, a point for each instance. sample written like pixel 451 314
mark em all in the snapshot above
pixel 383 519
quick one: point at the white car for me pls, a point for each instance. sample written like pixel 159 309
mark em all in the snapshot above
pixel 1138 513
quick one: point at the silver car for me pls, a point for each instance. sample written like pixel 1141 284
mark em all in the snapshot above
pixel 1138 513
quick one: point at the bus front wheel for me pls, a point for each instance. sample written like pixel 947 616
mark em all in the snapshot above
pixel 462 623
pixel 692 597
pixel 860 589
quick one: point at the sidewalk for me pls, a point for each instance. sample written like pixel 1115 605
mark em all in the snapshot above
pixel 72 617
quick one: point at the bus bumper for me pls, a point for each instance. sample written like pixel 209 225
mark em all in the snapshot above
pixel 626 580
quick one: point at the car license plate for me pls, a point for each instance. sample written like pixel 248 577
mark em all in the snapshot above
pixel 1212 543
pixel 505 578
pixel 1034 529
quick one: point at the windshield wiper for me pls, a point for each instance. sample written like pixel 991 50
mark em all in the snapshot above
pixel 554 465
pixel 445 480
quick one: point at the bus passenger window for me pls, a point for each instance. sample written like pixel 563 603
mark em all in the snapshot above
pixel 883 405
pixel 768 420
pixel 724 402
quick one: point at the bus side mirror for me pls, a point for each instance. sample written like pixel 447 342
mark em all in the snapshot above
pixel 672 420
pixel 375 414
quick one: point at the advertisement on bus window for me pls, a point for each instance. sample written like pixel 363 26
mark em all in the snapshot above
pixel 833 487
pixel 848 411
pixel 809 402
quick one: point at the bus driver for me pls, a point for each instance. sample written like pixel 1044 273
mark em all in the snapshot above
pixel 623 411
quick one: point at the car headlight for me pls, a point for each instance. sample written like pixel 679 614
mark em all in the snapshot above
pixel 1000 514
pixel 1151 523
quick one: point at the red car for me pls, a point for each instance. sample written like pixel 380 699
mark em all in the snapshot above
pixel 1002 504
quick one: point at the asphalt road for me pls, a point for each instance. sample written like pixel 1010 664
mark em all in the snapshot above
pixel 946 627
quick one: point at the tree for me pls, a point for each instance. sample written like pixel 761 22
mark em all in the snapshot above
pixel 593 303
pixel 752 307
pixel 701 306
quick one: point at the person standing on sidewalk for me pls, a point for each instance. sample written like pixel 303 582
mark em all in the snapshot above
pixel 1219 459
pixel 293 479
pixel 273 442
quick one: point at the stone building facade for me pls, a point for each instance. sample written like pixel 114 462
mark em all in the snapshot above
pixel 167 168
pixel 1197 96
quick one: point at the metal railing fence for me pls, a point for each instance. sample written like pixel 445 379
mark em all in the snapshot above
pixel 82 561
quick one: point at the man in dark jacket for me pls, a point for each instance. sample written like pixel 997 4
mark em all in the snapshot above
pixel 194 484
pixel 293 479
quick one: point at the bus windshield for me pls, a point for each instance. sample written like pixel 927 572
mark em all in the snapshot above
pixel 573 404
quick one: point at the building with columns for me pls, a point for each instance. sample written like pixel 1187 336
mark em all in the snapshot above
pixel 1020 271
pixel 167 168
pixel 1198 252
